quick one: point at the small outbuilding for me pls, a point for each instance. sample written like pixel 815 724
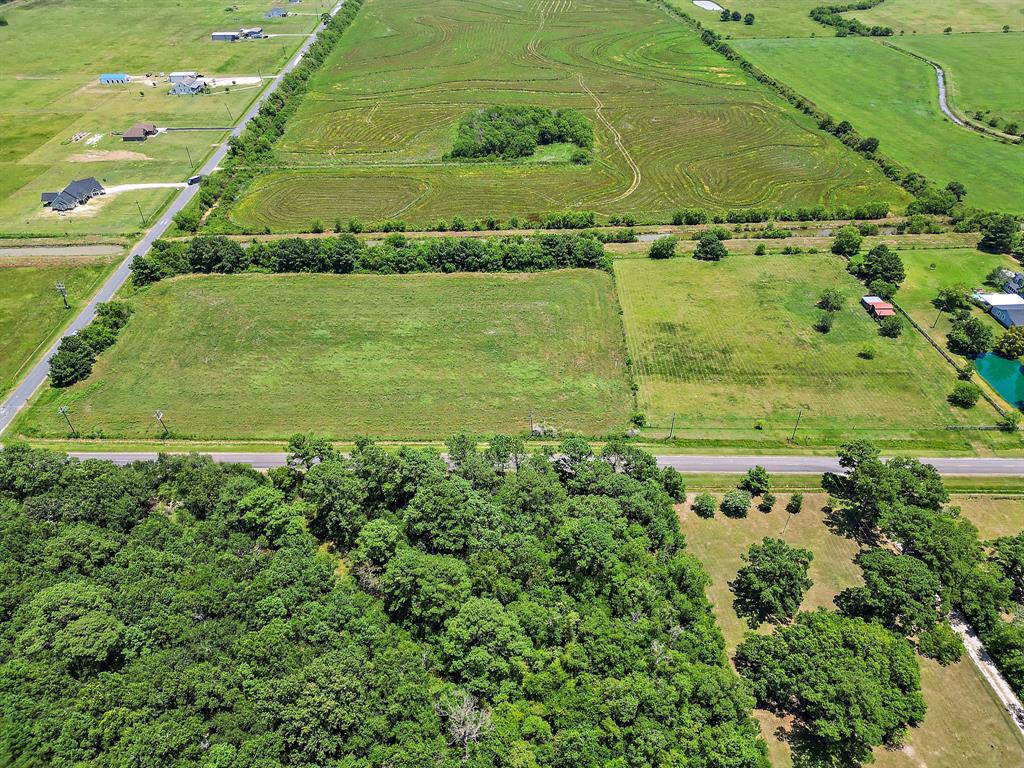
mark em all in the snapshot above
pixel 139 132
pixel 251 32
pixel 878 307
pixel 224 37
pixel 177 77
pixel 1006 308
pixel 115 79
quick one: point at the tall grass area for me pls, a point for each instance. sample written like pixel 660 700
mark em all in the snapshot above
pixel 731 349
pixel 410 356
pixel 31 311
pixel 893 97
pixel 923 17
pixel 675 123
pixel 965 726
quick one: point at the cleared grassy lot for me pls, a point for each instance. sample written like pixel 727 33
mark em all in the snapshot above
pixel 965 727
pixel 261 356
pixel 894 97
pixel 780 18
pixel 731 346
pixel 31 311
pixel 930 17
pixel 53 54
pixel 983 71
pixel 675 124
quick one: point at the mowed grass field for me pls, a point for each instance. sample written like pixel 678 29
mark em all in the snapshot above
pixel 924 17
pixel 983 71
pixel 411 356
pixel 965 727
pixel 889 95
pixel 779 18
pixel 731 350
pixel 31 311
pixel 675 124
pixel 53 54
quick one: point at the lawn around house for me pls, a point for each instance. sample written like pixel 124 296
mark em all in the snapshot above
pixel 965 726
pixel 31 311
pixel 730 346
pixel 675 123
pixel 893 97
pixel 409 356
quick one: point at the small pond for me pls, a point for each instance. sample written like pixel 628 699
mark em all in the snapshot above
pixel 1005 376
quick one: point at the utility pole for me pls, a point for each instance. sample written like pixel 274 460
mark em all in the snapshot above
pixel 190 163
pixel 63 411
pixel 229 114
pixel 159 416
pixel 63 291
pixel 141 215
pixel 672 428
pixel 937 319
pixel 797 425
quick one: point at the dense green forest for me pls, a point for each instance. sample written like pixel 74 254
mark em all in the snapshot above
pixel 380 609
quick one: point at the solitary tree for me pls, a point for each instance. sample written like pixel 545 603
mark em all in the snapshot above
pixel 736 503
pixel 970 336
pixel 846 242
pixel 772 584
pixel 756 481
pixel 663 248
pixel 748 19
pixel 710 248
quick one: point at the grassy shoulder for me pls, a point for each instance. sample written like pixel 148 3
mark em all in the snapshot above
pixel 964 727
pixel 262 356
pixel 31 311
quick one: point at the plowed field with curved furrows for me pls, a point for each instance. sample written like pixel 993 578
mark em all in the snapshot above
pixel 675 123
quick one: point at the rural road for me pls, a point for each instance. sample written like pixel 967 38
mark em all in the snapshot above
pixel 776 464
pixel 37 374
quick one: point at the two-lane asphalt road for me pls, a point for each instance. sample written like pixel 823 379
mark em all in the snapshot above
pixel 37 374
pixel 780 465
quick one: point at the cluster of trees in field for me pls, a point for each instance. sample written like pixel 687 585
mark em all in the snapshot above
pixel 508 132
pixel 728 15
pixel 832 16
pixel 920 560
pixel 72 362
pixel 346 254
pixel 254 146
pixel 377 609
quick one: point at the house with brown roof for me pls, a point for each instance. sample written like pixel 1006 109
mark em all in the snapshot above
pixel 139 132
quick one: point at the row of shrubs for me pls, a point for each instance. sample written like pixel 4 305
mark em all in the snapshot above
pixel 347 254
pixel 253 147
pixel 832 16
pixel 74 357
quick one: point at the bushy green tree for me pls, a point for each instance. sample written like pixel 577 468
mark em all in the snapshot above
pixel 846 241
pixel 772 584
pixel 900 592
pixel 710 248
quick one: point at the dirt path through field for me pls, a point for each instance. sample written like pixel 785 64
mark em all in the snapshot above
pixel 988 669
pixel 598 106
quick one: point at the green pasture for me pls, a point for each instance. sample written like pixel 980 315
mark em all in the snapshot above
pixel 731 350
pixel 892 96
pixel 53 54
pixel 410 356
pixel 675 123
pixel 965 726
pixel 31 311
pixel 925 17
pixel 780 18
pixel 983 71
pixel 930 270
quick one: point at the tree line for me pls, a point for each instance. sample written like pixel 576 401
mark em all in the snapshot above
pixel 345 254
pixel 832 16
pixel 74 358
pixel 384 608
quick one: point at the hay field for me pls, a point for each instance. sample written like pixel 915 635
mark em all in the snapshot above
pixel 53 54
pixel 889 95
pixel 923 17
pixel 965 727
pixel 31 311
pixel 405 356
pixel 675 123
pixel 730 347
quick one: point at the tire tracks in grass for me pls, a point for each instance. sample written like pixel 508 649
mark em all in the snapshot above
pixel 620 145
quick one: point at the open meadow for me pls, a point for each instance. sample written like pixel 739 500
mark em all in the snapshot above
pixel 965 727
pixel 31 311
pixel 892 96
pixel 409 356
pixel 675 124
pixel 730 348
pixel 50 94
pixel 983 71
pixel 923 17
pixel 780 18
